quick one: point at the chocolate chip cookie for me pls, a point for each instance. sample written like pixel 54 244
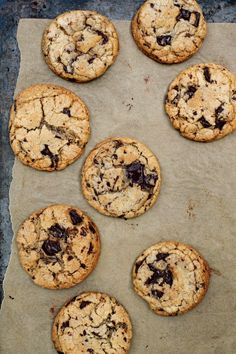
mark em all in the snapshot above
pixel 80 45
pixel 49 127
pixel 92 323
pixel 201 102
pixel 169 31
pixel 121 178
pixel 172 277
pixel 58 246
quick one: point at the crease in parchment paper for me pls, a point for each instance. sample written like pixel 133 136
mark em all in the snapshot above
pixel 196 205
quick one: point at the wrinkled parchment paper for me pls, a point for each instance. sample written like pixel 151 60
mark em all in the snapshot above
pixel 197 204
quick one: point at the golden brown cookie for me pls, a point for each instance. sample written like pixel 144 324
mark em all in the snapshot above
pixel 80 45
pixel 49 127
pixel 169 31
pixel 201 102
pixel 121 178
pixel 172 277
pixel 92 323
pixel 58 246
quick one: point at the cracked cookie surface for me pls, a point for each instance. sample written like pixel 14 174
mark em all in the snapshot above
pixel 92 323
pixel 169 31
pixel 172 277
pixel 80 45
pixel 121 178
pixel 58 246
pixel 49 127
pixel 201 102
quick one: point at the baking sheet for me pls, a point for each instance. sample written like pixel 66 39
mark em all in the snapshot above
pixel 197 204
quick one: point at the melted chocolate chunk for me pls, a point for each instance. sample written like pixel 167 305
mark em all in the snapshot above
pixel 58 231
pixel 75 218
pixel 90 250
pixel 66 111
pixel 65 324
pixel 157 293
pixel 104 36
pixel 183 14
pixel 54 158
pixel 219 123
pixel 191 91
pixel 197 18
pixel 136 174
pixel 164 40
pixel 92 228
pixel 51 247
pixel 207 74
pixel 161 256
pixel 84 304
pixel 165 275
pixel 204 122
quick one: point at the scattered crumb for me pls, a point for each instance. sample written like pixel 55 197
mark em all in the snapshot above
pixel 146 346
pixel 53 309
pixel 190 209
pixel 216 271
pixel 146 79
pixel 11 297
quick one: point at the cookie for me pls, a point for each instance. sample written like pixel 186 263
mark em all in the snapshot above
pixel 80 45
pixel 49 127
pixel 172 277
pixel 58 246
pixel 92 323
pixel 169 31
pixel 121 178
pixel 201 102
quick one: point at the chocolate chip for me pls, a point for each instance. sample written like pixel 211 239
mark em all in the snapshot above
pixel 118 143
pixel 95 161
pixel 114 156
pixel 164 40
pixel 84 303
pixel 57 230
pixel 90 250
pixel 65 324
pixel 207 74
pixel 83 231
pixel 219 110
pixel 68 70
pixel 136 174
pixel 191 91
pixel 197 18
pixel 75 218
pixel 66 111
pixel 161 256
pixel 60 352
pixel 157 293
pixel 137 266
pixel 70 258
pixel 183 14
pixel 92 228
pixel 91 60
pixel 219 123
pixel 103 35
pixel 51 247
pixel 152 5
pixel 54 158
pixel 204 122
pixel 82 265
pixel 90 350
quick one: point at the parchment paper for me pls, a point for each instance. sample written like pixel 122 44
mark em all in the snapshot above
pixel 197 204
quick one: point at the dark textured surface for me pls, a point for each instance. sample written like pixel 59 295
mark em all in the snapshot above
pixel 10 13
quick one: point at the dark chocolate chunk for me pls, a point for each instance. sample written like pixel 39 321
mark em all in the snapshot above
pixel 68 70
pixel 84 304
pixel 92 228
pixel 90 350
pixel 157 293
pixel 136 174
pixel 104 36
pixel 191 91
pixel 219 123
pixel 66 111
pixel 90 250
pixel 54 158
pixel 118 143
pixel 57 230
pixel 164 40
pixel 83 231
pixel 59 352
pixel 82 265
pixel 219 110
pixel 165 275
pixel 51 247
pixel 70 258
pixel 168 278
pixel 161 256
pixel 75 218
pixel 91 60
pixel 207 74
pixel 152 5
pixel 138 265
pixel 183 14
pixel 204 122
pixel 197 18
pixel 65 324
